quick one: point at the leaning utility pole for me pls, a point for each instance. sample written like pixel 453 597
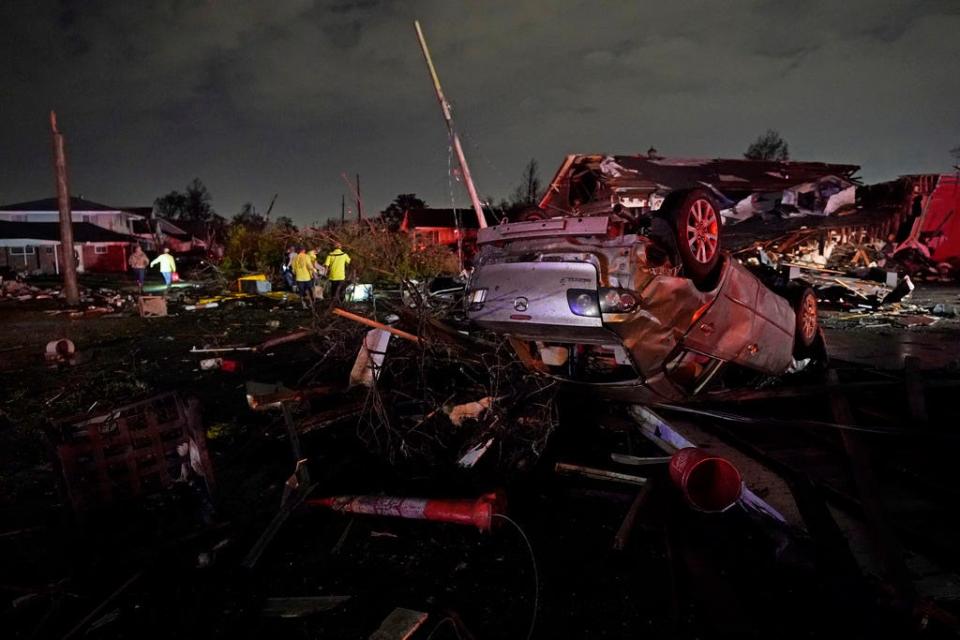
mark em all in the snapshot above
pixel 454 138
pixel 70 289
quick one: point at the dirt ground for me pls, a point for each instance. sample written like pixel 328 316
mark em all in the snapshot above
pixel 683 574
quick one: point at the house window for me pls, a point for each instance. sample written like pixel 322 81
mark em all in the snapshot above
pixel 22 251
pixel 100 249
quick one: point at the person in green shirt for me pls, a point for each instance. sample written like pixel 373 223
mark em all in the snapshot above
pixel 336 264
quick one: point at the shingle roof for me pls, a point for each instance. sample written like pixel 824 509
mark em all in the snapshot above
pixel 50 204
pixel 82 232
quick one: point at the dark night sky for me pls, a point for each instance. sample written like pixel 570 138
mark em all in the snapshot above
pixel 282 96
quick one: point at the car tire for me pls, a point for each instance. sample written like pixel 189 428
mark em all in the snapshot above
pixel 808 325
pixel 696 225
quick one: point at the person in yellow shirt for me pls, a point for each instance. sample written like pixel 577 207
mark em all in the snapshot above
pixel 336 264
pixel 303 273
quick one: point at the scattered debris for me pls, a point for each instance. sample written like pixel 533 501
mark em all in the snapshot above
pixel 152 306
pixel 126 453
pixel 473 455
pixel 366 368
pixel 300 607
pixel 593 473
pixel 401 624
pixel 478 513
pixel 709 483
pixel 61 351
pixel 468 411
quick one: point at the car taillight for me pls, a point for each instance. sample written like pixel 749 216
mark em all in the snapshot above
pixel 476 299
pixel 583 302
pixel 618 300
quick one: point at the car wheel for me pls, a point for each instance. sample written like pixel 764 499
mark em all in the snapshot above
pixel 805 306
pixel 696 223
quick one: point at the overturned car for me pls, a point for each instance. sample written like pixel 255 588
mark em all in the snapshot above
pixel 612 291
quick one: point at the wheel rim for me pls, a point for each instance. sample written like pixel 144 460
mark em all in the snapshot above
pixel 808 317
pixel 702 230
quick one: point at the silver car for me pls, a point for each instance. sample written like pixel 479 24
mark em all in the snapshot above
pixel 593 300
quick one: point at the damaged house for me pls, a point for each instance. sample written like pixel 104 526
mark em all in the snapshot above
pixel 30 236
pixel 445 227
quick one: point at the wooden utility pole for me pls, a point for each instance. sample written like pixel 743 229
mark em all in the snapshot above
pixel 355 192
pixel 359 201
pixel 70 289
pixel 454 138
pixel 343 207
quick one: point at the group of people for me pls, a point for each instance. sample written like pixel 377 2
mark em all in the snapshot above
pixel 303 272
pixel 139 262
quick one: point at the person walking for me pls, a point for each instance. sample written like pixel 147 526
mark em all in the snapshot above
pixel 287 268
pixel 138 261
pixel 303 272
pixel 168 266
pixel 336 264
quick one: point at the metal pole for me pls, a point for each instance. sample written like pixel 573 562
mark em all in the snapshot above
pixel 455 139
pixel 70 289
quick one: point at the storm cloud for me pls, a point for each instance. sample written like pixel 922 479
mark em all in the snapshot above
pixel 258 98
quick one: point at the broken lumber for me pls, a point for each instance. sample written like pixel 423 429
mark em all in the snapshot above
pixel 401 624
pixel 374 324
pixel 593 473
pixel 626 527
pixel 300 607
pixel 636 461
pixel 279 340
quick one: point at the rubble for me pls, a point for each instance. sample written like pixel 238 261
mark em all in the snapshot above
pixel 478 513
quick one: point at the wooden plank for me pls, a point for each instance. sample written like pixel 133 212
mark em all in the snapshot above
pixel 636 461
pixel 399 625
pixel 597 474
pixel 300 607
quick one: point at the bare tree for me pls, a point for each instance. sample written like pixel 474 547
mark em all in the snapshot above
pixel 529 191
pixel 769 146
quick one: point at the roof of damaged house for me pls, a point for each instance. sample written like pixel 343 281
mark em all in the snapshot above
pixel 50 204
pixel 737 177
pixel 440 219
pixel 760 175
pixel 167 228
pixel 50 232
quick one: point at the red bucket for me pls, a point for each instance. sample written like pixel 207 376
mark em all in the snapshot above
pixel 709 483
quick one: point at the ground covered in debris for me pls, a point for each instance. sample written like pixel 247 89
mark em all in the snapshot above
pixel 164 567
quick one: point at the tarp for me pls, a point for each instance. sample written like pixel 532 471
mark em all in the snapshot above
pixel 941 220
